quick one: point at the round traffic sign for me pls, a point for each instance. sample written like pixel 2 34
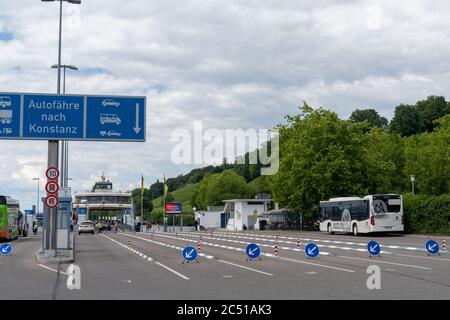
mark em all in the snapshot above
pixel 52 173
pixel 432 246
pixel 189 253
pixel 52 187
pixel 5 249
pixel 374 248
pixel 51 201
pixel 253 251
pixel 312 250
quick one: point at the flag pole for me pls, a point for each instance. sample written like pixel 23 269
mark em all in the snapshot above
pixel 164 204
pixel 142 203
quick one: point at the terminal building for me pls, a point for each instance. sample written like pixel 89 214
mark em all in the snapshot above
pixel 103 203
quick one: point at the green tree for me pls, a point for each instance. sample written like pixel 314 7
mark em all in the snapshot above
pixel 371 116
pixel 406 121
pixel 434 107
pixel 427 156
pixel 218 187
pixel 320 156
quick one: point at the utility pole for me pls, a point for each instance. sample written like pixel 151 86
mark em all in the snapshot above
pixel 51 214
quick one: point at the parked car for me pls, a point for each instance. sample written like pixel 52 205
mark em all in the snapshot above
pixel 86 227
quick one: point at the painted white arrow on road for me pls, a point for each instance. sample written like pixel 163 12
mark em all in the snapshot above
pixel 137 129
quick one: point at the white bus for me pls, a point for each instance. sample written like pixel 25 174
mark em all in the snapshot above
pixel 373 213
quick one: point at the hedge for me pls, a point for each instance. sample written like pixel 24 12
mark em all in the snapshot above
pixel 427 214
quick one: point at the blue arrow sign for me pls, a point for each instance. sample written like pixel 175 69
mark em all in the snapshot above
pixel 72 117
pixel 312 250
pixel 253 251
pixel 189 253
pixel 374 248
pixel 5 249
pixel 432 246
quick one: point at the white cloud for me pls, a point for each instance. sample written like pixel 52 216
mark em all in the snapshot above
pixel 232 64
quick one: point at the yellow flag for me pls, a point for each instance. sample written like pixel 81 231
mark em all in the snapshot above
pixel 166 187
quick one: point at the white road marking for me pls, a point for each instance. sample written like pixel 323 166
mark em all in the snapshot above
pixel 51 269
pixel 264 254
pixel 333 241
pixel 244 267
pixel 171 270
pixel 431 258
pixel 316 264
pixel 149 259
pixel 386 262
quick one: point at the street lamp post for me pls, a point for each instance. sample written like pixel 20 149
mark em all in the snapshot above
pixel 37 203
pixel 64 144
pixel 50 245
pixel 413 178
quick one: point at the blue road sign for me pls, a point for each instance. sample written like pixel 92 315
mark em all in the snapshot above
pixel 71 117
pixel 374 248
pixel 5 249
pixel 253 251
pixel 312 250
pixel 432 246
pixel 189 253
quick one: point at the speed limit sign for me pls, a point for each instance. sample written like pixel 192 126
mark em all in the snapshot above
pixel 52 173
pixel 51 201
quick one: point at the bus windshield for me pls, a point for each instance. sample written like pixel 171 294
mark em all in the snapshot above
pixel 387 203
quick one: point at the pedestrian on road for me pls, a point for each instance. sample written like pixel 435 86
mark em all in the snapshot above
pixel 244 227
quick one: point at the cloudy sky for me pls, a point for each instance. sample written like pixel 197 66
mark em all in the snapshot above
pixel 230 63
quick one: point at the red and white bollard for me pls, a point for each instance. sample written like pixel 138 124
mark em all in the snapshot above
pixel 298 244
pixel 128 242
pixel 443 246
pixel 199 244
pixel 275 249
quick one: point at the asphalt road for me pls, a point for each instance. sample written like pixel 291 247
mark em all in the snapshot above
pixel 151 268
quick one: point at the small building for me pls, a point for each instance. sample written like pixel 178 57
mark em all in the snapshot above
pixel 211 218
pixel 240 212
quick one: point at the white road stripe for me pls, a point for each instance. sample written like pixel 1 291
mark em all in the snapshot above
pixel 386 262
pixel 244 267
pixel 316 264
pixel 171 270
pixel 267 255
pixel 420 257
pixel 51 269
pixel 148 258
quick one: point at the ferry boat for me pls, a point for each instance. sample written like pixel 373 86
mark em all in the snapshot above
pixel 103 203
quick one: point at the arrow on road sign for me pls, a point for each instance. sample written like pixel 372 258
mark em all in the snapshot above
pixel 189 255
pixel 372 249
pixel 431 248
pixel 311 250
pixel 137 128
pixel 252 251
pixel 5 249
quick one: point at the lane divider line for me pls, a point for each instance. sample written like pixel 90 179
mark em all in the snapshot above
pixel 202 254
pixel 263 254
pixel 147 259
pixel 51 269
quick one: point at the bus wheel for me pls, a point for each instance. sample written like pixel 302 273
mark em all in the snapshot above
pixel 355 230
pixel 329 229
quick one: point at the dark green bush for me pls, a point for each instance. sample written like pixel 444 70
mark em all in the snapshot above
pixel 427 214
